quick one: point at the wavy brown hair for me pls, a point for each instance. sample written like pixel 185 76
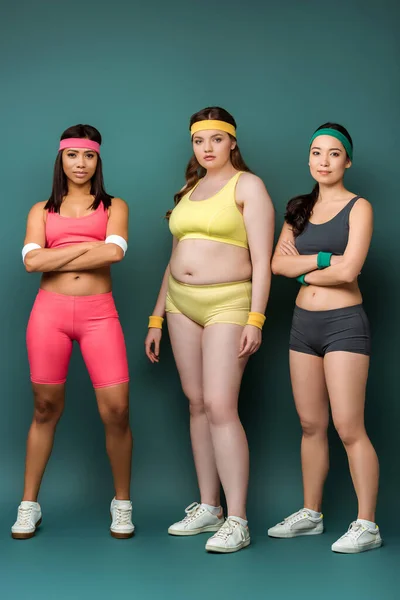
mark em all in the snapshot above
pixel 194 171
pixel 299 208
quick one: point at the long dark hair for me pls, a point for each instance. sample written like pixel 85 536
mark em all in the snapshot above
pixel 194 171
pixel 60 183
pixel 299 209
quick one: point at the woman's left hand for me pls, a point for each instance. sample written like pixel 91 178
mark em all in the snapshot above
pixel 250 341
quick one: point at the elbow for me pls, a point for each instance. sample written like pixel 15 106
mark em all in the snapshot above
pixel 348 275
pixel 29 265
pixel 118 254
pixel 275 267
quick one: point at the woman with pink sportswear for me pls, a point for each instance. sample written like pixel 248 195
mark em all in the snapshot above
pixel 73 239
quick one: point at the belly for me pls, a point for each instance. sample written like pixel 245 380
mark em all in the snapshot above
pixel 314 297
pixel 78 283
pixel 202 262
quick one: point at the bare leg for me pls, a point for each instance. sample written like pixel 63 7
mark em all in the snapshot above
pixel 186 340
pixel 113 403
pixel 312 404
pixel 222 375
pixel 346 377
pixel 48 408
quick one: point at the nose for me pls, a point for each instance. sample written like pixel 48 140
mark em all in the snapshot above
pixel 324 160
pixel 208 146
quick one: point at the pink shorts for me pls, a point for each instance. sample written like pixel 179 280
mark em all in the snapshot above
pixel 57 320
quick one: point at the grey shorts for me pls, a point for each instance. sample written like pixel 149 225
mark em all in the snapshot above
pixel 321 331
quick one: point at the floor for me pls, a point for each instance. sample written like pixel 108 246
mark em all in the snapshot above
pixel 73 557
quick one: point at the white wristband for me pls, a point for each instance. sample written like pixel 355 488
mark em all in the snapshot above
pixel 27 248
pixel 119 241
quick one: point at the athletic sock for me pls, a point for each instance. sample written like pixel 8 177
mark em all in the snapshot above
pixel 313 513
pixel 214 510
pixel 368 524
pixel 243 522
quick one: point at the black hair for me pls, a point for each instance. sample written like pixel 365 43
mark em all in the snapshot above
pixel 299 208
pixel 60 183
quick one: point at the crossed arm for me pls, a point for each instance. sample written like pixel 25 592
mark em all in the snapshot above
pixel 76 257
pixel 344 269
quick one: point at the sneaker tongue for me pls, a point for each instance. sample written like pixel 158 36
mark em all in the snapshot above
pixel 27 504
pixel 122 503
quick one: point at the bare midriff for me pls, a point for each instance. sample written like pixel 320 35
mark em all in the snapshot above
pixel 206 262
pixel 78 283
pixel 314 297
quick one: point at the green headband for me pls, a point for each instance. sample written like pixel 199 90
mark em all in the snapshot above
pixel 338 135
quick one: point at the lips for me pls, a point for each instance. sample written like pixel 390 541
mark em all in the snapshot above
pixel 209 157
pixel 324 172
pixel 80 174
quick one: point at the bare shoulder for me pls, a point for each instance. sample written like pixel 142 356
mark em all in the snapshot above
pixel 249 181
pixel 364 203
pixel 362 207
pixel 251 191
pixel 37 209
pixel 119 205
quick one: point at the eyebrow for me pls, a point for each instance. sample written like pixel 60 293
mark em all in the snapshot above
pixel 318 148
pixel 199 137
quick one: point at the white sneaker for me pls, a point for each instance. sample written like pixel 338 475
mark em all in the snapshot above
pixel 299 523
pixel 28 519
pixel 231 537
pixel 358 538
pixel 121 517
pixel 198 520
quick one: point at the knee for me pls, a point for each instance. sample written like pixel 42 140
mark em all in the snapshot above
pixel 218 413
pixel 47 410
pixel 115 415
pixel 196 402
pixel 313 428
pixel 348 433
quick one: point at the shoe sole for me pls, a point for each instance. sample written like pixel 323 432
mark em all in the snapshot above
pixel 26 536
pixel 372 546
pixel 121 536
pixel 293 535
pixel 219 550
pixel 182 532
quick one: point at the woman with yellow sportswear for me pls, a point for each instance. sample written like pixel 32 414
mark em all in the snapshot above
pixel 215 291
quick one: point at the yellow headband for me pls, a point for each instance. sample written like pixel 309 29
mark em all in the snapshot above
pixel 208 124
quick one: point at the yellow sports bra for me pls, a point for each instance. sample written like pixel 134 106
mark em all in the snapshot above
pixel 217 218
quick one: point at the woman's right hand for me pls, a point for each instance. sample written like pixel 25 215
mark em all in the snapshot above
pixel 152 344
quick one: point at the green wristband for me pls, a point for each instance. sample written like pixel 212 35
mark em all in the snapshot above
pixel 324 260
pixel 301 279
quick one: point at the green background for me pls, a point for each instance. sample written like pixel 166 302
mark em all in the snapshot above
pixel 137 71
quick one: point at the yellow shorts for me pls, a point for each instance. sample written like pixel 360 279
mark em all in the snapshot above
pixel 210 304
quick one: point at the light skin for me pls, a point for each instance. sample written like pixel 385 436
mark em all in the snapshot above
pixel 211 360
pixel 339 379
pixel 78 270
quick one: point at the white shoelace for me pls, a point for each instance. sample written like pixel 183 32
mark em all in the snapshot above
pixel 227 529
pixel 297 516
pixel 354 531
pixel 123 516
pixel 25 516
pixel 192 511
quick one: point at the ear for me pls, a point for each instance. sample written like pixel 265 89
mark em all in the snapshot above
pixel 348 163
pixel 233 145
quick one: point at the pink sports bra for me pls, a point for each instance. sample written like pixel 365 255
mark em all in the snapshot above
pixel 65 231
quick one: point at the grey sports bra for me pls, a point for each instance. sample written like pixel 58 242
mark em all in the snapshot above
pixel 331 236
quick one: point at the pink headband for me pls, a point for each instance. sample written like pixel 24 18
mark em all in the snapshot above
pixel 79 143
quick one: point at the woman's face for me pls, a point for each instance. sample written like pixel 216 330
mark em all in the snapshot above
pixel 212 148
pixel 328 160
pixel 79 164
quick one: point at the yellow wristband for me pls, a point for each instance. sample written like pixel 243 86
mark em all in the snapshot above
pixel 155 322
pixel 256 319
